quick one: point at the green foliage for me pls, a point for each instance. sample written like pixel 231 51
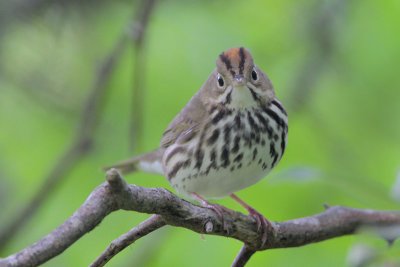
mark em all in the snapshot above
pixel 343 140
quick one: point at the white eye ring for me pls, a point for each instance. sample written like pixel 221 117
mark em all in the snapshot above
pixel 254 74
pixel 220 81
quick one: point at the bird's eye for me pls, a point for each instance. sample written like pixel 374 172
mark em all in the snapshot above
pixel 220 81
pixel 254 75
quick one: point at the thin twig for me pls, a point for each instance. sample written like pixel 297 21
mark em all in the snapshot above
pixel 149 249
pixel 139 30
pixel 153 223
pixel 115 194
pixel 80 145
pixel 243 257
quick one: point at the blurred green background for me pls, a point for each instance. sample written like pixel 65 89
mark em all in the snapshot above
pixel 334 65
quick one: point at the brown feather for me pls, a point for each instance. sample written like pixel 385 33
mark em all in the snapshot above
pixel 188 122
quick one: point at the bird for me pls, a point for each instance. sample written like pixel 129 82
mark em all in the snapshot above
pixel 229 136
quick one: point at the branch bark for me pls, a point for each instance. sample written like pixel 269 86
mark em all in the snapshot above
pixel 116 194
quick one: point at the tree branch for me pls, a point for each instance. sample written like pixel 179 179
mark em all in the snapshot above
pixel 115 194
pixel 153 223
pixel 243 257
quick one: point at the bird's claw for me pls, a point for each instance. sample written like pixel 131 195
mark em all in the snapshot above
pixel 262 225
pixel 219 210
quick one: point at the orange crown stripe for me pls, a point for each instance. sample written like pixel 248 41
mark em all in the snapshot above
pixel 233 54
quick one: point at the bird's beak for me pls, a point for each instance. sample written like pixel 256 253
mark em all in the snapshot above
pixel 238 80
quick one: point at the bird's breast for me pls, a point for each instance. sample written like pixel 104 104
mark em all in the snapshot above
pixel 233 150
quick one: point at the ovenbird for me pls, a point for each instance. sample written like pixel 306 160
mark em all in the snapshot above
pixel 229 136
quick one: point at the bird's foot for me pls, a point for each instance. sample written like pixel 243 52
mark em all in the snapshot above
pixel 218 209
pixel 263 224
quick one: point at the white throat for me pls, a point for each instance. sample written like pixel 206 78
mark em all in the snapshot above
pixel 242 97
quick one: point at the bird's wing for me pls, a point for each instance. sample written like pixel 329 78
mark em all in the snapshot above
pixel 186 124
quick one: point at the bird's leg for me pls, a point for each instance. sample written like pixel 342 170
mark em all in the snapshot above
pixel 262 222
pixel 218 209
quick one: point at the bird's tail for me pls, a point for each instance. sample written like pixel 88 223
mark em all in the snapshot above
pixel 149 162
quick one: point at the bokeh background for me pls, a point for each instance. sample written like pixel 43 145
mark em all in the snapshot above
pixel 334 65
